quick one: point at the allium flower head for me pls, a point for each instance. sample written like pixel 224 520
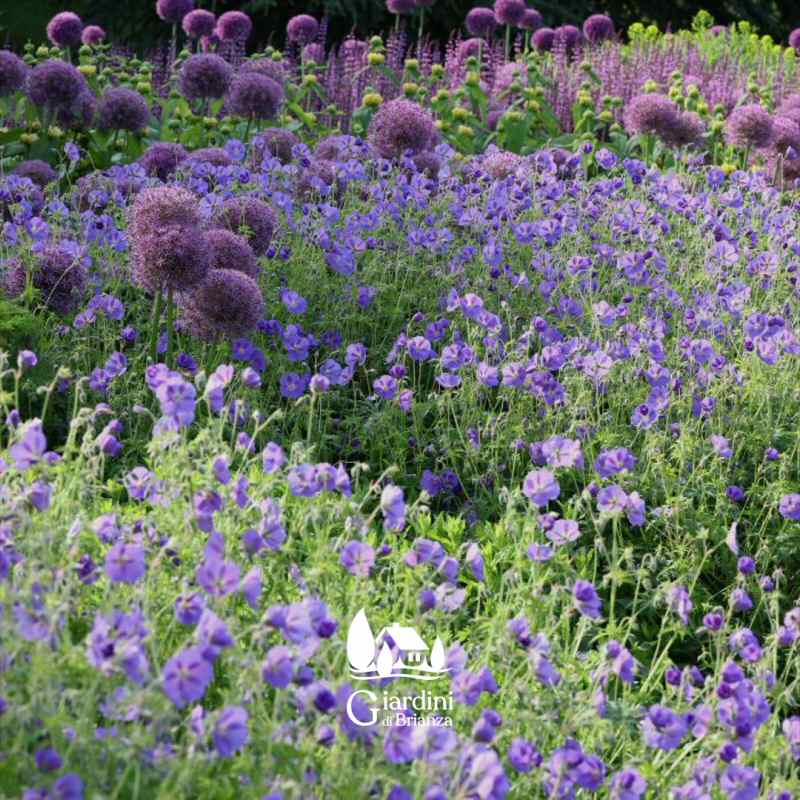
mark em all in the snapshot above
pixel 687 129
pixel 509 12
pixel 302 29
pixel 481 22
pixel 55 84
pixel 785 134
pixel 276 142
pixel 205 75
pixel 597 28
pixel 255 96
pixel 57 274
pixel 399 126
pixel 228 303
pixel 749 126
pixel 173 10
pixel 92 35
pixel 568 36
pixel 400 6
pixel 251 217
pixel 122 110
pixel 40 172
pixel 13 71
pixel 198 23
pixel 80 114
pixel 161 207
pixel 161 159
pixel 650 113
pixel 215 156
pixel 794 39
pixel 173 258
pixel 543 39
pixel 234 26
pixel 228 250
pixel 265 66
pixel 531 20
pixel 64 29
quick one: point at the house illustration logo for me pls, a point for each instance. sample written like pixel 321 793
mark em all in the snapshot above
pixel 396 652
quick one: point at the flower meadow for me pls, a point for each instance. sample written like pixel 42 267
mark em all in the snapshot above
pixel 495 340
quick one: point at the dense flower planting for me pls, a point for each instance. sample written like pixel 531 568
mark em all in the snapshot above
pixel 273 363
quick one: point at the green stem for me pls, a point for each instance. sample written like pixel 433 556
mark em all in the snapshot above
pixel 508 41
pixel 154 324
pixel 170 324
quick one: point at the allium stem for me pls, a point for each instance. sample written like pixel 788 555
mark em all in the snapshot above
pixel 508 41
pixel 170 325
pixel 154 326
pixel 421 30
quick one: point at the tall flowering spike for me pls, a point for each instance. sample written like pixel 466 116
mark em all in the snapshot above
pixel 360 642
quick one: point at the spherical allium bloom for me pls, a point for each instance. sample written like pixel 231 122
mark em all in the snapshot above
pixel 687 129
pixel 749 126
pixel 64 29
pixel 318 173
pixel 400 6
pixel 509 12
pixel 205 75
pixel 173 10
pixel 337 147
pixel 234 26
pixel 215 156
pixel 92 35
pixel 13 72
pixel 255 96
pixel 650 113
pixel 428 163
pixel 794 39
pixel 276 142
pixel 58 275
pixel 302 29
pixel 481 22
pixel 161 159
pixel 531 20
pixel 313 52
pixel 568 36
pixel 122 110
pixel 228 303
pixel 401 125
pixel 265 66
pixel 543 39
pixel 499 164
pixel 228 250
pixel 162 207
pixel 597 28
pixel 250 216
pixel 40 172
pixel 785 134
pixel 80 114
pixel 55 84
pixel 175 258
pixel 198 23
